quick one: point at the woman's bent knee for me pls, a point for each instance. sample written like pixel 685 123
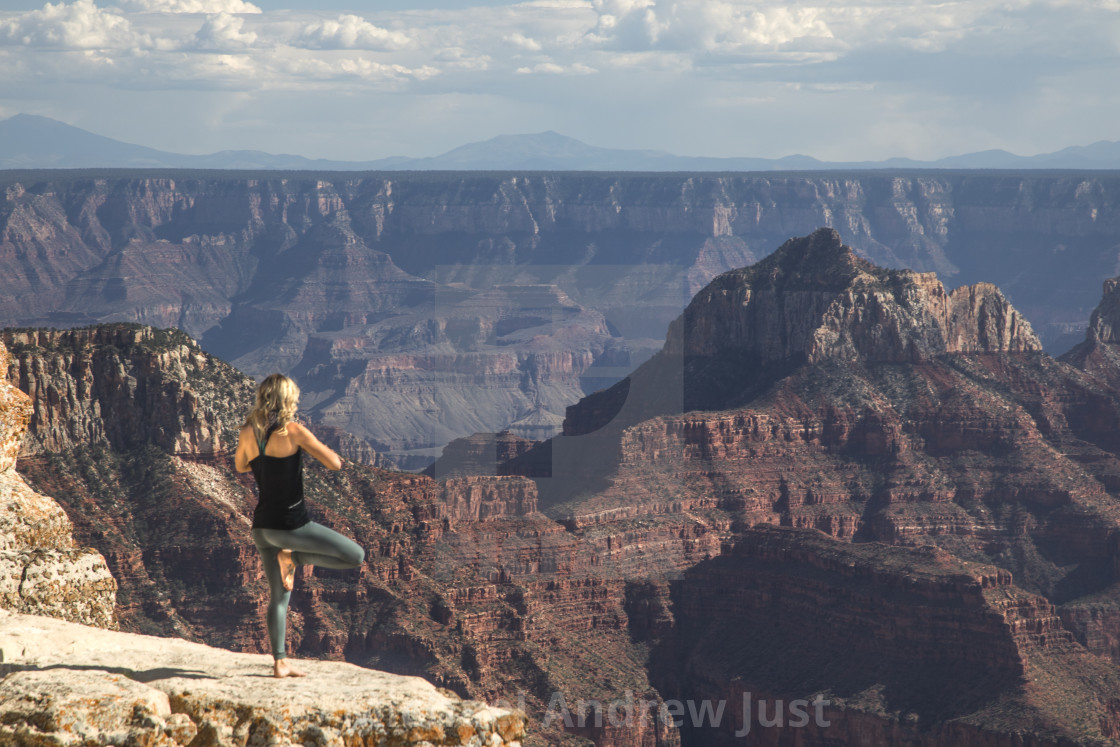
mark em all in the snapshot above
pixel 355 555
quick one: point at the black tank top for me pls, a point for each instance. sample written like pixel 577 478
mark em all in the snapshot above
pixel 280 486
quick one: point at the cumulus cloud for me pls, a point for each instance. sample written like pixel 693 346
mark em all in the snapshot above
pixel 189 6
pixel 722 57
pixel 80 25
pixel 369 69
pixel 627 23
pixel 770 27
pixel 702 25
pixel 349 32
pixel 222 31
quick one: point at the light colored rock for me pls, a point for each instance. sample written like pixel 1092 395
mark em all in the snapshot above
pixel 39 707
pixel 28 520
pixel 73 585
pixel 41 571
pixel 68 680
pixel 1104 325
pixel 15 412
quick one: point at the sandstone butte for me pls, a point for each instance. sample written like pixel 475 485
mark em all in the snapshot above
pixel 835 483
pixel 67 678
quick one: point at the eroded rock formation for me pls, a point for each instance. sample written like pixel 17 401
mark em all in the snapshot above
pixel 42 571
pixel 125 385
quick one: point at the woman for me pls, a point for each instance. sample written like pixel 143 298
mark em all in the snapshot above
pixel 270 444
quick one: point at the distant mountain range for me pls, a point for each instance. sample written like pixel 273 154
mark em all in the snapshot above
pixel 32 142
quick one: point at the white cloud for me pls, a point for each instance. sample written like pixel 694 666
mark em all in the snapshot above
pixel 771 27
pixel 363 68
pixel 631 24
pixel 350 32
pixel 551 68
pixel 563 4
pixel 618 8
pixel 702 25
pixel 458 58
pixel 80 25
pixel 301 70
pixel 222 31
pixel 189 6
pixel 769 63
pixel 521 41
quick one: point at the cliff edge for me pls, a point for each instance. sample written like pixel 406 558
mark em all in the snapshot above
pixel 70 684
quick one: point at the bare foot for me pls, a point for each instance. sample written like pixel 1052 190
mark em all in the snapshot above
pixel 283 669
pixel 287 569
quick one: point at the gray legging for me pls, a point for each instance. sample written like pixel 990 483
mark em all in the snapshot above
pixel 311 544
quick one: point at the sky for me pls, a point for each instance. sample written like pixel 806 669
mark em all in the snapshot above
pixel 360 80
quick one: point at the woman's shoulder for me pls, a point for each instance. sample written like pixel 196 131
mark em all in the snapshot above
pixel 297 432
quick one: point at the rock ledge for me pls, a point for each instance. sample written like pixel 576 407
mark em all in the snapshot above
pixel 68 684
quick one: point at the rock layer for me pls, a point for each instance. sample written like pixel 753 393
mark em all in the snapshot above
pixel 915 634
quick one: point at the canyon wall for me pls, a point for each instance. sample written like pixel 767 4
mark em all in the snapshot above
pixel 496 300
pixel 916 637
pixel 437 596
pixel 947 490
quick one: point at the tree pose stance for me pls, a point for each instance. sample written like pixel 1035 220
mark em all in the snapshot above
pixel 270 444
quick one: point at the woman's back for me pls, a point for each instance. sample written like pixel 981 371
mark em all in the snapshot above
pixel 278 470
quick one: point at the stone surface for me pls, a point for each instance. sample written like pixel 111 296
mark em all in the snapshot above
pixel 68 684
pixel 41 570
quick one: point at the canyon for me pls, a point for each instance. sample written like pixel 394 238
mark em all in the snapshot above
pixel 835 483
pixel 417 308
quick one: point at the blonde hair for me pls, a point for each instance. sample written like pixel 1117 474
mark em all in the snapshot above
pixel 277 399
